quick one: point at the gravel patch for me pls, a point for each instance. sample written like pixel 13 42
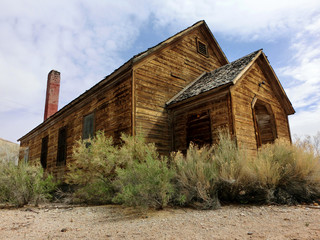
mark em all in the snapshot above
pixel 118 222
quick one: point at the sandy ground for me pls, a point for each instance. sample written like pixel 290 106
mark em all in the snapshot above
pixel 116 222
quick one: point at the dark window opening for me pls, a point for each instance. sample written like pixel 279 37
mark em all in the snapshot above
pixel 44 152
pixel 202 48
pixel 62 146
pixel 264 123
pixel 199 129
pixel 88 126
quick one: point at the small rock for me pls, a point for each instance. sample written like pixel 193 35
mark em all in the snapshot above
pixel 64 229
pixel 242 192
pixel 250 233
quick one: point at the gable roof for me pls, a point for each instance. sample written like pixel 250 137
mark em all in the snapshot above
pixel 226 74
pixel 220 54
pixel 128 66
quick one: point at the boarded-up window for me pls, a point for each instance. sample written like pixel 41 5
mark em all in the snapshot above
pixel 62 146
pixel 88 126
pixel 199 129
pixel 44 152
pixel 264 123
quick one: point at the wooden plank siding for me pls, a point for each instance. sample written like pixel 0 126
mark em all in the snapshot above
pixel 162 76
pixel 220 118
pixel 243 94
pixel 112 110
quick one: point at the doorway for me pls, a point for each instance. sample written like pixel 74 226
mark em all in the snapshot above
pixel 264 123
pixel 199 129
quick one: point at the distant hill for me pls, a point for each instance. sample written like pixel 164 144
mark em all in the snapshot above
pixel 9 151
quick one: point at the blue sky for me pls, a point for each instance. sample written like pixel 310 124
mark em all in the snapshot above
pixel 87 40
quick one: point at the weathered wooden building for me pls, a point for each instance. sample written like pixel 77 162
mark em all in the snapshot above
pixel 182 90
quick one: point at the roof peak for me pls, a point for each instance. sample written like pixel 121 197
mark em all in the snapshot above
pixel 226 74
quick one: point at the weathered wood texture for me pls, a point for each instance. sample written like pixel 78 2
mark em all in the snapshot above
pixel 111 106
pixel 219 114
pixel 161 77
pixel 243 94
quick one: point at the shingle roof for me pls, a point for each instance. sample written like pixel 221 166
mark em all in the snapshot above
pixel 220 76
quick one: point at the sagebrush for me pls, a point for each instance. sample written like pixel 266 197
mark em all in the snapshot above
pixel 196 177
pixel 94 170
pixel 24 184
pixel 134 174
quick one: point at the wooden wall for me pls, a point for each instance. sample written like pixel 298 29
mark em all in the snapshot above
pixel 243 93
pixel 218 107
pixel 162 76
pixel 112 108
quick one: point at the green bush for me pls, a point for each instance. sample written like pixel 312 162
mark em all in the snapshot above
pixel 93 170
pixel 196 178
pixel 145 179
pixel 24 184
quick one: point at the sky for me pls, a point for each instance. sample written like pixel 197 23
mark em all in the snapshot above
pixel 87 40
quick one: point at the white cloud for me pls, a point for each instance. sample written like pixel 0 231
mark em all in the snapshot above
pixel 246 19
pixel 304 71
pixel 85 40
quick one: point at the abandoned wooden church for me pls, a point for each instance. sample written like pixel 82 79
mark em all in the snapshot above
pixel 180 91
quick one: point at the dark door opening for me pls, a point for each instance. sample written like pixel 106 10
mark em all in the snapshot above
pixel 199 129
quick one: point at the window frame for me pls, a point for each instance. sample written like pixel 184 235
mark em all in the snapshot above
pixel 84 135
pixel 199 42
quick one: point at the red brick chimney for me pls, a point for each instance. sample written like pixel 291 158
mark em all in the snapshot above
pixel 52 96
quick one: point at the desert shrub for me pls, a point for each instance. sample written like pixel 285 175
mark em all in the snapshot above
pixel 24 184
pixel 93 170
pixel 290 173
pixel 144 179
pixel 196 178
pixel 234 175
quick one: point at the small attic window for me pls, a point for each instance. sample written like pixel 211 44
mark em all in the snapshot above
pixel 202 48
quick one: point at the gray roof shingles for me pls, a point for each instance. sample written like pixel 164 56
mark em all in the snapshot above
pixel 218 77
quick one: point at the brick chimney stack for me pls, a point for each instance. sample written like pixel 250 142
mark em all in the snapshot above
pixel 52 95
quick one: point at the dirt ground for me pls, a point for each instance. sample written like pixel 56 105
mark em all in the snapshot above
pixel 117 222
